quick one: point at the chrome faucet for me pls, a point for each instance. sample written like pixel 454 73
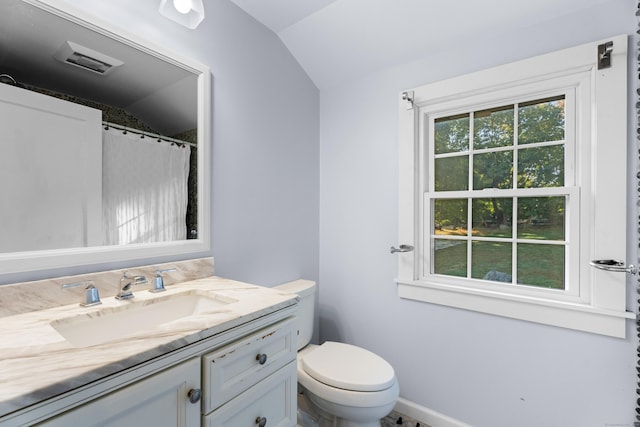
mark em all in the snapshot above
pixel 125 290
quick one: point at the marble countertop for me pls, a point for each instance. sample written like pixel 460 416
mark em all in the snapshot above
pixel 37 363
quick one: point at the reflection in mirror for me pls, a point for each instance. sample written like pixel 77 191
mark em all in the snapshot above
pixel 105 141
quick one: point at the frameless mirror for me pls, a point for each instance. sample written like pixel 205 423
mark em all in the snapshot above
pixel 69 85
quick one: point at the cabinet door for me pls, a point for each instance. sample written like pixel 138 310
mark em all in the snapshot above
pixel 272 401
pixel 160 401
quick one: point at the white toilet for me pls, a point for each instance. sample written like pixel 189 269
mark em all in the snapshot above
pixel 348 385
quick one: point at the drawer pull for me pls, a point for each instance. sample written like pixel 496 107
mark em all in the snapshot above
pixel 194 395
pixel 261 421
pixel 261 358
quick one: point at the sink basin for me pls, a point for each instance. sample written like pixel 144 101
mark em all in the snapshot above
pixel 135 316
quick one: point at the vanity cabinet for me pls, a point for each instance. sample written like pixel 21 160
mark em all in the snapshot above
pixel 270 403
pixel 234 368
pixel 244 376
pixel 160 400
pixel 253 381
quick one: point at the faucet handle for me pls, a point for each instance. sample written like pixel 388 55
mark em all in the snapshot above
pixel 92 296
pixel 159 282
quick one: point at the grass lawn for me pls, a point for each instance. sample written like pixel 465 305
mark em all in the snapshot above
pixel 540 265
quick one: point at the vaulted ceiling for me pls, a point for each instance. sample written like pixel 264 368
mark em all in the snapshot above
pixel 336 40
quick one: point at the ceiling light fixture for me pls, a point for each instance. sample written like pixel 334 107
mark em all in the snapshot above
pixel 182 6
pixel 189 13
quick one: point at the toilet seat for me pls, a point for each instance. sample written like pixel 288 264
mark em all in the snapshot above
pixel 348 367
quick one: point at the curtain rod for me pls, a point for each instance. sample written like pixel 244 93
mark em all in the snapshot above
pixel 149 134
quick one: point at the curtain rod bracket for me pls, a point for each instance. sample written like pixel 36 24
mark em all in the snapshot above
pixel 407 100
pixel 604 55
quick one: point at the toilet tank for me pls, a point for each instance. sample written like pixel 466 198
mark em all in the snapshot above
pixel 306 290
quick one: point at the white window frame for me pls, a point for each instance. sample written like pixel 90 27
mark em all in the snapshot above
pixel 595 163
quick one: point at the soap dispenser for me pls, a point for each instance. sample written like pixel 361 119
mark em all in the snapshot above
pixel 159 282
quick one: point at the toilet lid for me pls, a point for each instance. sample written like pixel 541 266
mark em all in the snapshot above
pixel 348 367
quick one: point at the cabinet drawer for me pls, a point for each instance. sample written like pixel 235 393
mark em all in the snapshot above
pixel 232 369
pixel 273 400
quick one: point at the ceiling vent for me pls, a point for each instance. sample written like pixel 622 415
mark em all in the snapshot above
pixel 85 58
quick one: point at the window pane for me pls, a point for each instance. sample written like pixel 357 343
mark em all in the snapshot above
pixel 450 217
pixel 541 167
pixel 541 218
pixel 493 128
pixel 493 170
pixel 491 261
pixel 452 173
pixel 541 121
pixel 492 217
pixel 451 134
pixel 541 265
pixel 450 257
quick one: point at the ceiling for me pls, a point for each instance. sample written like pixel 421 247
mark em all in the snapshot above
pixel 31 38
pixel 338 40
pixel 280 14
pixel 334 41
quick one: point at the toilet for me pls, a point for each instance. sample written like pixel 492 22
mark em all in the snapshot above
pixel 342 384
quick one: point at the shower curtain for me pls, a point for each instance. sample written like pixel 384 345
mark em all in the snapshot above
pixel 144 189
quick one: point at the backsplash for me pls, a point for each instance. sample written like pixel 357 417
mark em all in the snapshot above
pixel 24 297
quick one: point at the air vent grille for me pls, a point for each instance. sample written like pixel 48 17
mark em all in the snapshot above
pixel 88 62
pixel 86 58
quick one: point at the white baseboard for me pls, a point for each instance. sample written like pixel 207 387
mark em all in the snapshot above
pixel 429 416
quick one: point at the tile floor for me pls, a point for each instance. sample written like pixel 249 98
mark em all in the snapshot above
pixel 395 419
pixel 305 419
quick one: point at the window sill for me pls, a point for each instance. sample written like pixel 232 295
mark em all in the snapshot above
pixel 581 317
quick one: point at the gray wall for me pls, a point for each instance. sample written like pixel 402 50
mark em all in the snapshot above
pixel 481 369
pixel 265 121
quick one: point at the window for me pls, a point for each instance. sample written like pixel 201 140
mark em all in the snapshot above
pixel 508 179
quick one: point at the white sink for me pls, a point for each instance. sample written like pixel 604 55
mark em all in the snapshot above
pixel 135 316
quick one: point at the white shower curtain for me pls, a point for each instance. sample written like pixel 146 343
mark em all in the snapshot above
pixel 144 189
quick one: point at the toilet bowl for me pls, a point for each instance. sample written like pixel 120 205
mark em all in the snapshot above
pixel 347 384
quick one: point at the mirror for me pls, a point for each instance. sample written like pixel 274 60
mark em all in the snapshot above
pixel 53 57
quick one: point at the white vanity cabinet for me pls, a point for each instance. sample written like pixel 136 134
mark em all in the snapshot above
pixel 253 380
pixel 243 376
pixel 270 403
pixel 160 400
